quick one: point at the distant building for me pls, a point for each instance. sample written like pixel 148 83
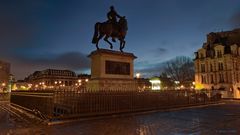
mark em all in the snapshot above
pixel 143 84
pixel 21 85
pixel 51 78
pixel 82 81
pixel 4 75
pixel 217 63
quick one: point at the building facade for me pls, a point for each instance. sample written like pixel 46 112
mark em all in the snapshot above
pixel 217 64
pixel 4 75
pixel 51 78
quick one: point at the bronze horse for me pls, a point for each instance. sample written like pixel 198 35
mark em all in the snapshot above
pixel 108 29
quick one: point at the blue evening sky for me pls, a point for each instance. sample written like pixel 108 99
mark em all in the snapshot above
pixel 40 34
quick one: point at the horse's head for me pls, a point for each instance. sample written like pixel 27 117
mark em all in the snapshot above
pixel 123 23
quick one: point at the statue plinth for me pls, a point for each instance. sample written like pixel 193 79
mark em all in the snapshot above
pixel 111 70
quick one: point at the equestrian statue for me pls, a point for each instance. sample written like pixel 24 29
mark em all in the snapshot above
pixel 115 27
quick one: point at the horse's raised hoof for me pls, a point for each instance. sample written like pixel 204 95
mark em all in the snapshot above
pixel 111 47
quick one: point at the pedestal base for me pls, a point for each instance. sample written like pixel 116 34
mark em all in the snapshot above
pixel 112 70
pixel 112 85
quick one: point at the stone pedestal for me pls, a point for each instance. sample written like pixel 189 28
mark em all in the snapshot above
pixel 111 70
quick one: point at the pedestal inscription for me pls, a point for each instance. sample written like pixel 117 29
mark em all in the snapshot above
pixel 120 68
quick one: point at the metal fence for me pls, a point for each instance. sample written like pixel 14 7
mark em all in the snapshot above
pixel 65 104
pixel 34 101
pixel 4 96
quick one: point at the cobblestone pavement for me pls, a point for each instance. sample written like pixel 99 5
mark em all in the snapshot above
pixel 212 120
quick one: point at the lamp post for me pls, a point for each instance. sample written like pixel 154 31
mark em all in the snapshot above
pixel 3 84
pixel 176 83
pixel 193 87
pixel 138 75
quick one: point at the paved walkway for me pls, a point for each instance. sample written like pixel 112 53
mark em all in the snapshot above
pixel 212 120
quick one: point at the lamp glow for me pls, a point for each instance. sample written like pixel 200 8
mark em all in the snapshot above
pixel 155 83
pixel 138 75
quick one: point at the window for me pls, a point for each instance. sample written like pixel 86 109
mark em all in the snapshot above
pixel 211 79
pixel 203 79
pixel 211 67
pixel 219 53
pixel 237 80
pixel 220 66
pixel 221 79
pixel 202 67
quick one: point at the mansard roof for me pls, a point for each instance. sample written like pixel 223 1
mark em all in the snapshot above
pixel 226 38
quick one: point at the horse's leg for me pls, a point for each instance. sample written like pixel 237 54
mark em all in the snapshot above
pixel 97 46
pixel 106 39
pixel 100 37
pixel 122 44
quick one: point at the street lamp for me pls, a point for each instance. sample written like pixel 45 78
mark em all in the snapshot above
pixel 3 84
pixel 138 75
pixel 177 83
pixel 193 83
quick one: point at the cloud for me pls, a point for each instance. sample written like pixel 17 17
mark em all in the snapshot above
pixel 159 52
pixel 23 66
pixel 152 69
pixel 149 72
pixel 70 60
pixel 157 68
pixel 162 50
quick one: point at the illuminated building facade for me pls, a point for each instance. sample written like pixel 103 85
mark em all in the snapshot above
pixel 217 64
pixel 4 75
pixel 156 83
pixel 52 78
pixel 82 80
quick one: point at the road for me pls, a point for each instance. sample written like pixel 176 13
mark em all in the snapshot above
pixel 212 120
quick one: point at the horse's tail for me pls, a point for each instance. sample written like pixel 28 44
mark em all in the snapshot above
pixel 95 36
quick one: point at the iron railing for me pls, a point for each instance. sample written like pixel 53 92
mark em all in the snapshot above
pixel 66 104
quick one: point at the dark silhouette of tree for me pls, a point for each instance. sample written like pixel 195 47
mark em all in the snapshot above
pixel 180 69
pixel 166 81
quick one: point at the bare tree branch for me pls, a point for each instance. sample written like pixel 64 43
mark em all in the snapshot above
pixel 180 69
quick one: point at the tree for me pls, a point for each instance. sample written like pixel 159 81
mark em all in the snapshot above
pixel 166 81
pixel 180 69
